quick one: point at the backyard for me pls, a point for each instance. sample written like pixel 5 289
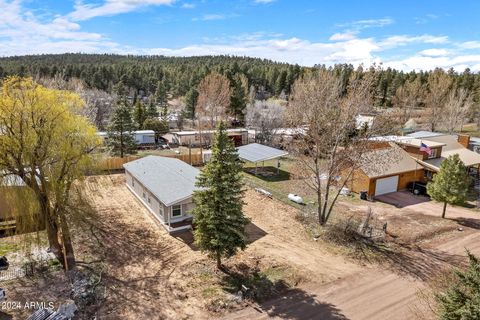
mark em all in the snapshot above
pixel 144 272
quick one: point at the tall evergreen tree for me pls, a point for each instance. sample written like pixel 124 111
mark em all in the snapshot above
pixel 139 114
pixel 450 184
pixel 219 220
pixel 238 100
pixel 121 132
pixel 151 111
pixel 161 93
pixel 191 102
pixel 461 301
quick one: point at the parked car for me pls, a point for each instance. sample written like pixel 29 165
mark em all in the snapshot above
pixel 3 295
pixel 417 188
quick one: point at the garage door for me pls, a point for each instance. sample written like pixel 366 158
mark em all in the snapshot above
pixel 386 185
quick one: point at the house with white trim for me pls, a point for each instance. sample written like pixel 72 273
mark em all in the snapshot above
pixel 165 186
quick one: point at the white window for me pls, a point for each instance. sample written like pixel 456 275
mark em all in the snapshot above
pixel 133 182
pixel 160 209
pixel 433 154
pixel 176 210
pixel 148 199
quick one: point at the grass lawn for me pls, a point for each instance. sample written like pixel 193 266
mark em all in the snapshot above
pixel 279 184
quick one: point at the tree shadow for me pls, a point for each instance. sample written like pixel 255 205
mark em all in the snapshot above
pixel 415 261
pixel 254 232
pixel 138 259
pixel 5 316
pixel 298 304
pixel 468 222
pixel 273 296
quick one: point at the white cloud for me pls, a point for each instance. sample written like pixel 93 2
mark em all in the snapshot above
pixel 85 11
pixel 343 36
pixel 358 25
pixel 22 32
pixel 264 1
pixel 402 40
pixel 469 45
pixel 433 52
pixel 211 17
pixel 417 62
pixel 188 6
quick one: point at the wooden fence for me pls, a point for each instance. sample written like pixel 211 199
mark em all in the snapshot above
pixel 116 163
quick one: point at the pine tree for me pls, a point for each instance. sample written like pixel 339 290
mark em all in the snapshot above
pixel 191 102
pixel 238 100
pixel 139 114
pixel 219 220
pixel 461 301
pixel 161 93
pixel 152 111
pixel 121 132
pixel 450 184
pixel 158 126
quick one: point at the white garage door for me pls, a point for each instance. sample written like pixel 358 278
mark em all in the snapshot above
pixel 386 185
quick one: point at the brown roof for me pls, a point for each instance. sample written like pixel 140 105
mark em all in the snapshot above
pixel 452 146
pixel 387 161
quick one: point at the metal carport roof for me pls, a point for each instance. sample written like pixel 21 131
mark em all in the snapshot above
pixel 255 152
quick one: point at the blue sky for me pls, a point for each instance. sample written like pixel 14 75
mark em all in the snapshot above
pixel 407 34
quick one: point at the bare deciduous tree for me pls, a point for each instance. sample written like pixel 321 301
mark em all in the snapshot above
pixel 457 105
pixel 213 98
pixel 331 145
pixel 214 94
pixel 408 97
pixel 98 104
pixel 265 117
pixel 439 85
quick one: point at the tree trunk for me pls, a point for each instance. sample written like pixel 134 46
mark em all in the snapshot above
pixel 69 256
pixel 121 145
pixel 64 253
pixel 319 208
pixel 53 242
pixel 444 209
pixel 219 261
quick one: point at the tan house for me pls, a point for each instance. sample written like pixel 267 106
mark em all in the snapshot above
pixel 385 170
pixel 406 162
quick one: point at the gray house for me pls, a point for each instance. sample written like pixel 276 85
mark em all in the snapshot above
pixel 165 186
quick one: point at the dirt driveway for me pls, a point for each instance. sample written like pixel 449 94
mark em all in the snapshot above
pixel 388 292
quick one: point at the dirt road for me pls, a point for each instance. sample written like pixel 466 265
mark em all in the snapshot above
pixel 368 293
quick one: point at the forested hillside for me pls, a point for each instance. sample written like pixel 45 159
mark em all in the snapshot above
pixel 101 79
pixel 178 75
pixel 143 73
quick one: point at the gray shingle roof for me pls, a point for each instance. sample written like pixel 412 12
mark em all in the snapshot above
pixel 255 152
pixel 169 180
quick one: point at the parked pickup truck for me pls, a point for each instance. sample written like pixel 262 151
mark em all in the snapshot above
pixel 417 188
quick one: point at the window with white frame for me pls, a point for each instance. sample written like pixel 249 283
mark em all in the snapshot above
pixel 133 182
pixel 433 154
pixel 176 210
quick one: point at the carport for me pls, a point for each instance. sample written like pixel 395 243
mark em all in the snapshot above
pixel 256 152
